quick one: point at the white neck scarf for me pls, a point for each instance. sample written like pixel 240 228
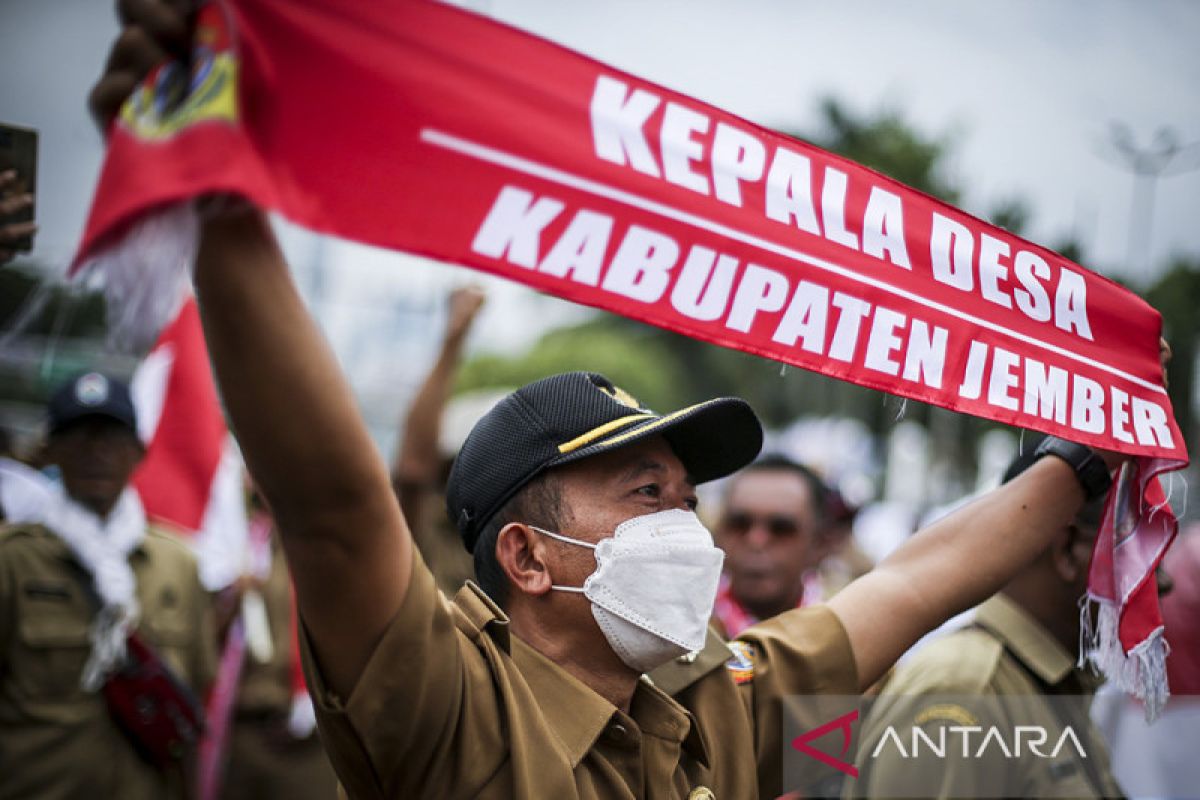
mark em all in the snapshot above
pixel 103 546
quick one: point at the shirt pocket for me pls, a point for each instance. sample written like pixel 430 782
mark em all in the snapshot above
pixel 53 634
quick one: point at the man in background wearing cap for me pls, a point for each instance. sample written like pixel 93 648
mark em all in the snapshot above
pixel 422 461
pixel 1015 665
pixel 577 504
pixel 71 591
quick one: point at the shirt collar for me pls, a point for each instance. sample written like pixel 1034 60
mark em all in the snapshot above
pixel 482 613
pixel 65 553
pixel 680 673
pixel 1032 644
pixel 658 714
pixel 574 712
pixel 577 715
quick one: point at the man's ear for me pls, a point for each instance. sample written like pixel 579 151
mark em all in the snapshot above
pixel 522 556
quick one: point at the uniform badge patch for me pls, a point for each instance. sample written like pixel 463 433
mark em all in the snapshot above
pixel 91 389
pixel 741 664
pixel 617 393
pixel 172 98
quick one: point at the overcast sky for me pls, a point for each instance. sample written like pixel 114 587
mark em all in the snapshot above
pixel 1031 87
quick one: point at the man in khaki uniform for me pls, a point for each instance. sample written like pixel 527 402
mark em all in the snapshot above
pixel 576 503
pixel 1014 666
pixel 57 738
pixel 267 758
pixel 422 460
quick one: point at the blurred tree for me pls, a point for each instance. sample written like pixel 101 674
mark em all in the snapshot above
pixel 57 307
pixel 49 330
pixel 887 142
pixel 631 355
pixel 1012 214
pixel 1070 248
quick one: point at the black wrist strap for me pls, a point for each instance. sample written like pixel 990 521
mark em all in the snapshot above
pixel 1090 469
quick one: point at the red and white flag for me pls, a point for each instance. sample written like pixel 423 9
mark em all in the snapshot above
pixel 190 480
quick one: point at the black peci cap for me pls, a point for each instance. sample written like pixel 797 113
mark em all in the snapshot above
pixel 91 395
pixel 565 418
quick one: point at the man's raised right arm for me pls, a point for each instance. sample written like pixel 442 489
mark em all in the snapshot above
pixel 347 545
pixel 346 541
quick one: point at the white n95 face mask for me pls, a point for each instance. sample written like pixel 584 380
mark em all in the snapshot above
pixel 654 586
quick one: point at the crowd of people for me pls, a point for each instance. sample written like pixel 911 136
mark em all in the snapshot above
pixel 534 608
pixel 80 568
pixel 79 565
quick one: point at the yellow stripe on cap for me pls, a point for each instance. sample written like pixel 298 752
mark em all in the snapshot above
pixel 597 432
pixel 655 424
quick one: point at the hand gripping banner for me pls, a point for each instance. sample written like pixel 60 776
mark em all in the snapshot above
pixel 420 127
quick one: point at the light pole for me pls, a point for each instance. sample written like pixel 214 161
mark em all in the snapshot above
pixel 1162 157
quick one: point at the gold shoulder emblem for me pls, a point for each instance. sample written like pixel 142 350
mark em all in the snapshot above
pixel 951 712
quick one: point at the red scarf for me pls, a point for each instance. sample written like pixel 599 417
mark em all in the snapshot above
pixel 418 126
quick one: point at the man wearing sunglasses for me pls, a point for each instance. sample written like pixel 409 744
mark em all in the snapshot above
pixel 769 530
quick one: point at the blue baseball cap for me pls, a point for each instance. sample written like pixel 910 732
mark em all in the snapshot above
pixel 91 395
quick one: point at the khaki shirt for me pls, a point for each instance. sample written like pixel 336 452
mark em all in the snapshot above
pixel 1004 671
pixel 452 705
pixel 56 740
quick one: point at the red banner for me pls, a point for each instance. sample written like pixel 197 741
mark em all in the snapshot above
pixel 418 126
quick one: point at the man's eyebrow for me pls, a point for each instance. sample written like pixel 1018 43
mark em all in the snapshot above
pixel 640 466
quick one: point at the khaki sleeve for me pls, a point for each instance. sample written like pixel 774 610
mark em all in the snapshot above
pixel 929 746
pixel 804 677
pixel 424 711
